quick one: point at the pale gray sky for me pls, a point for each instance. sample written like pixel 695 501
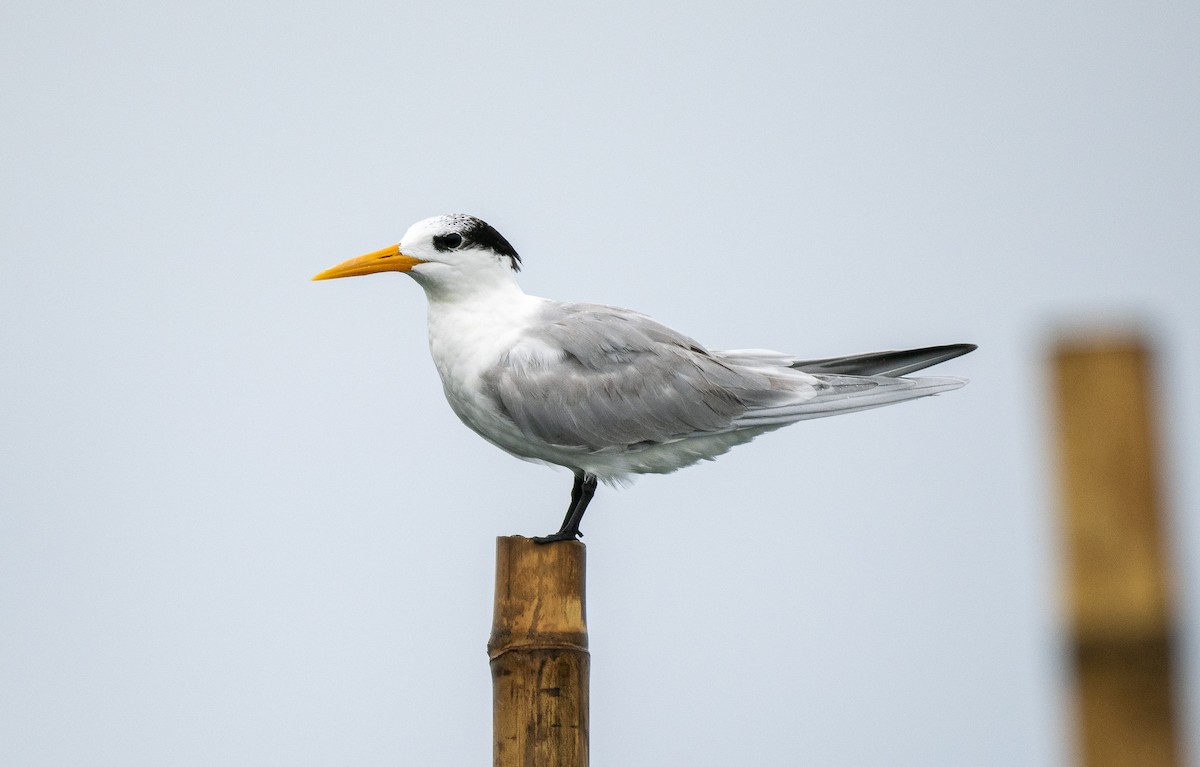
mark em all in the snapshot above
pixel 240 526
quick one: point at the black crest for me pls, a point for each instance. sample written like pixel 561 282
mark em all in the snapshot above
pixel 470 232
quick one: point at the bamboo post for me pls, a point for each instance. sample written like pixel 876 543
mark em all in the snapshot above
pixel 1118 595
pixel 539 656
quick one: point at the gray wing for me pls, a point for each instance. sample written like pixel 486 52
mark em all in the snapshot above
pixel 847 384
pixel 602 378
pixel 599 377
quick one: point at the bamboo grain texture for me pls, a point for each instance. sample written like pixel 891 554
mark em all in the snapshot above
pixel 539 658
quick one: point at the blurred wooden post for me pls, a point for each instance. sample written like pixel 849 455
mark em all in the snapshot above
pixel 1118 593
pixel 539 655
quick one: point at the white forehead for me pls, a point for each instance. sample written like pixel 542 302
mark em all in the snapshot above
pixel 435 225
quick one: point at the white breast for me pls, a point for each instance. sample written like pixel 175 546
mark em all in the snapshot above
pixel 466 340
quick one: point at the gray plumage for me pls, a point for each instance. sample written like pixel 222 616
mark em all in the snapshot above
pixel 622 381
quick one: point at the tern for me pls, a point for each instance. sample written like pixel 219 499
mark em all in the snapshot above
pixel 606 392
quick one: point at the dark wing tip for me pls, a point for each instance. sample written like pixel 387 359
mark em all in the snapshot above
pixel 892 363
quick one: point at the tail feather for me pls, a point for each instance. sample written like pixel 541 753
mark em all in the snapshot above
pixel 843 384
pixel 848 394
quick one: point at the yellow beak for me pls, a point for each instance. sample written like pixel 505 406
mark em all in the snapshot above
pixel 386 260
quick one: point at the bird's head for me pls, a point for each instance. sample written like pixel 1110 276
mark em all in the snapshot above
pixel 442 253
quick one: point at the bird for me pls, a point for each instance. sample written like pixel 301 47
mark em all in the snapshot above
pixel 606 392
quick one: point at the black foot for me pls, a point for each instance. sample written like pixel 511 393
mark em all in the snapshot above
pixel 559 536
pixel 581 496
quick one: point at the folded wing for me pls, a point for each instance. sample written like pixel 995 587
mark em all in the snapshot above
pixel 600 378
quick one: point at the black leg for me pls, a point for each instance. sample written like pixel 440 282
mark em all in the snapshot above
pixel 581 495
pixel 576 494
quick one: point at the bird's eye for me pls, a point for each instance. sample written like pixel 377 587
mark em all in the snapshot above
pixel 448 241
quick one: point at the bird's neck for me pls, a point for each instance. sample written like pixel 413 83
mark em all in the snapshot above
pixel 497 304
pixel 470 287
pixel 487 303
pixel 469 334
